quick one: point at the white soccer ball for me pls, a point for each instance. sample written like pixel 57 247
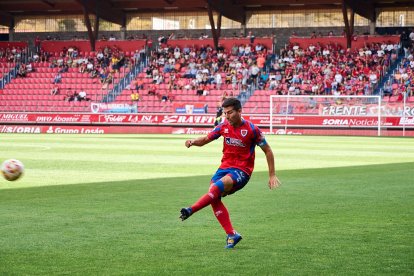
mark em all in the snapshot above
pixel 12 169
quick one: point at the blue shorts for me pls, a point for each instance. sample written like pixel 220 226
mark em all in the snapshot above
pixel 240 178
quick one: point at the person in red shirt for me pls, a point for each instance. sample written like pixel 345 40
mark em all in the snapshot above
pixel 37 43
pixel 240 138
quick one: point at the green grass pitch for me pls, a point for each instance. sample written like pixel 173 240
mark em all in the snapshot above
pixel 109 205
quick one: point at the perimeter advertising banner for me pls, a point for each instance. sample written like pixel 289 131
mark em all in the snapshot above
pixel 131 129
pixel 113 108
pixel 199 120
pixel 190 108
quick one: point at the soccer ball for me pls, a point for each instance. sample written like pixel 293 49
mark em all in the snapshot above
pixel 12 169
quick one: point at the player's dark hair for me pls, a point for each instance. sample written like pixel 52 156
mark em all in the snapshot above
pixel 234 102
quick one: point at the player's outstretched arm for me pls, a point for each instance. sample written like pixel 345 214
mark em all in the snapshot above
pixel 199 142
pixel 274 182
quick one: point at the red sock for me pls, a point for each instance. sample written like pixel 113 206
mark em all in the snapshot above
pixel 222 215
pixel 207 199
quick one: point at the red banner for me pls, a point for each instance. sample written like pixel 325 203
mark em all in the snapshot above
pixel 130 129
pixel 200 120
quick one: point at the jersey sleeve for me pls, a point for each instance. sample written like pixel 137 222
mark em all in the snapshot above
pixel 215 133
pixel 260 138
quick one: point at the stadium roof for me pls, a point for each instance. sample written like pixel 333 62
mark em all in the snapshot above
pixel 116 10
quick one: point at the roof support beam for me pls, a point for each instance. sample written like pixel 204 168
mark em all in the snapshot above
pixel 104 10
pixel 227 9
pixel 216 32
pixel 93 34
pixel 349 24
pixel 50 4
pixel 6 19
pixel 363 8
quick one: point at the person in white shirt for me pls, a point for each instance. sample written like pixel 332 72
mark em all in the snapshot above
pixel 259 47
pixel 82 96
pixel 99 56
pixel 389 47
pixel 373 78
pixel 254 70
pixel 273 84
pixel 89 67
pixel 177 54
pixel 411 36
pixel 311 47
pixel 247 50
pixel 412 64
pixel 405 76
pixel 325 52
pixel 218 80
pixel 338 78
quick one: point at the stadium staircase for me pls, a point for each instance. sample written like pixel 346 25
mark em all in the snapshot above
pixel 389 74
pixel 8 71
pixel 124 82
pixel 150 103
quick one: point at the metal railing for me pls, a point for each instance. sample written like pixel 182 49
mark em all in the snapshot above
pixel 124 82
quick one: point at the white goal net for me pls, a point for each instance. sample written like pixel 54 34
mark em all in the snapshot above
pixel 338 114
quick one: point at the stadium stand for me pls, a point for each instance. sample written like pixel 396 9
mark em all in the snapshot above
pixel 32 91
pixel 178 74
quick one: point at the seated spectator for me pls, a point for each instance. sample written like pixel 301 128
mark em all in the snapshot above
pixel 203 36
pixel 29 68
pixel 55 90
pixel 139 84
pixel 82 67
pixel 152 90
pixel 373 78
pixel 89 67
pixel 82 96
pixel 64 69
pixel 170 96
pixel 273 84
pixel 22 71
pixel 36 57
pixel 119 64
pixel 57 79
pixel 164 98
pixel 135 96
pixel 71 97
pixel 200 90
pixel 205 91
pixel 107 81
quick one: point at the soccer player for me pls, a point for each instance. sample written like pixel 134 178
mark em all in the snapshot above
pixel 240 139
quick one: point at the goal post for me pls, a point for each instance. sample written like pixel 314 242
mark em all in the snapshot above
pixel 330 114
